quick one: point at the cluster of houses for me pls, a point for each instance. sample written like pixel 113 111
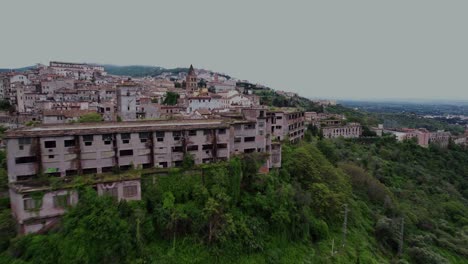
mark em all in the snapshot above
pixel 150 124
pixel 61 92
pixel 424 137
pixel 208 121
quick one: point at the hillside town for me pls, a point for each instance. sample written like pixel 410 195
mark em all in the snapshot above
pixel 147 123
pixel 150 123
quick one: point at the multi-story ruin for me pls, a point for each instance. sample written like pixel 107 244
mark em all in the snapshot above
pixel 67 150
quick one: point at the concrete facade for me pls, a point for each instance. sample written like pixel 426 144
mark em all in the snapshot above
pixel 81 149
pixel 351 130
pixel 127 95
pixel 287 123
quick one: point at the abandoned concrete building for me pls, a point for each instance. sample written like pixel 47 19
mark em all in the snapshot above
pixel 67 150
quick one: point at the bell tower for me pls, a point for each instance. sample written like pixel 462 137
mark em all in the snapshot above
pixel 191 80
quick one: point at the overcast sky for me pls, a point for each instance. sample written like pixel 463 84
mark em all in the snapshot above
pixel 329 49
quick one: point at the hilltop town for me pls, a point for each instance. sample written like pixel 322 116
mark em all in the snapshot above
pixel 69 126
pixel 69 119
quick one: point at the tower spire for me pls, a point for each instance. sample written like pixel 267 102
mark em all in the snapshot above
pixel 191 80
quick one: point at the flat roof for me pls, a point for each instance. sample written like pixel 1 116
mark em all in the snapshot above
pixel 116 127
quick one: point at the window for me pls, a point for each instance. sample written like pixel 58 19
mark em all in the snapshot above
pixel 163 164
pixel 51 156
pixel 31 204
pixel 114 192
pixel 237 139
pixel 126 152
pixel 192 148
pixel 107 169
pixel 222 146
pixel 222 131
pixel 71 172
pixel 249 126
pixel 249 139
pixel 24 177
pixel 176 135
pixel 177 149
pixel 69 143
pixel 61 201
pixel 192 132
pixel 21 160
pixel 160 136
pixel 125 138
pixel 24 141
pixel 50 144
pixel 206 132
pixel 130 191
pixel 144 136
pixel 90 171
pixel 207 147
pixel 107 138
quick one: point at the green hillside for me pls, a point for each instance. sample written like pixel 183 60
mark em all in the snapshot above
pixel 227 213
pixel 140 71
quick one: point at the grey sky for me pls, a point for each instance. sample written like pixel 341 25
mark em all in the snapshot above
pixel 332 49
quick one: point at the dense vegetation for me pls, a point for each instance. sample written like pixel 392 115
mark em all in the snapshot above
pixel 171 98
pixel 22 69
pixel 90 117
pixel 141 71
pixel 6 106
pixel 272 98
pixel 227 212
pixel 394 120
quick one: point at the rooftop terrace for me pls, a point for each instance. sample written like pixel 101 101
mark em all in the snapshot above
pixel 115 127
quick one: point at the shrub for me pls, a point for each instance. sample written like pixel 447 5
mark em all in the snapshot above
pixel 425 256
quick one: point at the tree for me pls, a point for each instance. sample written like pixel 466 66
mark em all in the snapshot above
pixel 7 228
pixel 171 98
pixel 5 105
pixel 188 161
pixel 91 117
pixel 93 232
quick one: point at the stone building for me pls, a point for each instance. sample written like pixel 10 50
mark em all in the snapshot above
pixel 191 84
pixel 127 96
pixel 351 130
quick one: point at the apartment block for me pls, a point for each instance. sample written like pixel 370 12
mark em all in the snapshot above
pixel 287 123
pixel 422 136
pixel 440 138
pixel 351 130
pixel 67 150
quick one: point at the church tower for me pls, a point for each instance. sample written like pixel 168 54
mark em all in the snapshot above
pixel 191 80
